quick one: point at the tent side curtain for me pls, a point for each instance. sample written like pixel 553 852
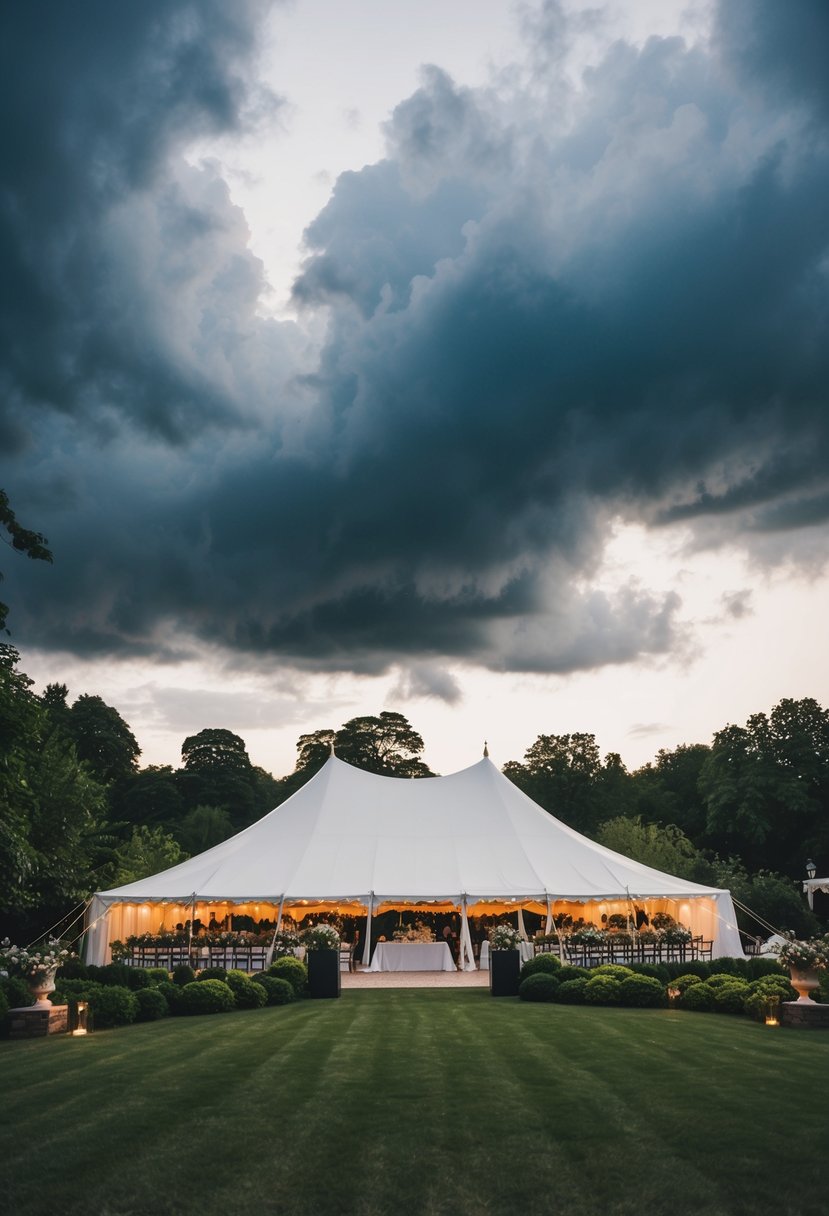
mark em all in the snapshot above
pixel 711 917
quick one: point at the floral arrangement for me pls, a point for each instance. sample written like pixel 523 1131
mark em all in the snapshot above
pixel 320 937
pixel 676 935
pixel 28 963
pixel 182 940
pixel 588 935
pixel 504 937
pixel 414 933
pixel 805 955
pixel 284 943
pixel 662 920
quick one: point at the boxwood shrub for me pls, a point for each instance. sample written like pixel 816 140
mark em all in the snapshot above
pixel 158 975
pixel 602 990
pixel 779 985
pixel 172 994
pixel 279 992
pixel 152 1005
pixel 183 974
pixel 642 992
pixel 568 972
pixel 682 982
pixel 699 998
pixel 293 970
pixel 730 998
pixel 211 996
pixel 613 970
pixel 541 986
pixel 542 964
pixel 248 994
pixel 212 973
pixel 111 1005
pixel 657 971
pixel 571 992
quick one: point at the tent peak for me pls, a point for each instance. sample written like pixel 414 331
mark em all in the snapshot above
pixel 486 750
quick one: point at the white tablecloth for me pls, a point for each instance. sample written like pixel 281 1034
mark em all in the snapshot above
pixel 412 956
pixel 526 948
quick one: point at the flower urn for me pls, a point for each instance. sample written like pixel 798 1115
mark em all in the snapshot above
pixel 504 971
pixel 805 982
pixel 323 972
pixel 41 983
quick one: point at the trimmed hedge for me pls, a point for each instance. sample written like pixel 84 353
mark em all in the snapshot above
pixel 183 974
pixel 172 994
pixel 212 973
pixel 699 998
pixel 545 964
pixel 571 992
pixel 643 992
pixel 111 1005
pixel 279 992
pixel 603 990
pixel 293 970
pixel 210 996
pixel 541 986
pixel 152 1005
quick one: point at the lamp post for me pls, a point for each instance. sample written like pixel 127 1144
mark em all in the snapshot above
pixel 811 871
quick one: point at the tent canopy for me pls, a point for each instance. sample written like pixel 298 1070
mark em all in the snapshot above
pixel 352 835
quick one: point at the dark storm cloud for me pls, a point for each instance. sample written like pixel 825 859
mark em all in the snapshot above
pixel 534 326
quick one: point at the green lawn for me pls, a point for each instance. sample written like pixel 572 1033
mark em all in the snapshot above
pixel 419 1102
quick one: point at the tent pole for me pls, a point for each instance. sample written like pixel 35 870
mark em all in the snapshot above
pixel 190 930
pixel 521 926
pixel 549 922
pixel 367 943
pixel 269 955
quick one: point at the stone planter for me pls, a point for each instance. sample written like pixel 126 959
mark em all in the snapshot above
pixel 323 972
pixel 504 969
pixel 804 984
pixel 40 985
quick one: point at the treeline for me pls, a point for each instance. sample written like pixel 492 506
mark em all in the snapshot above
pixel 79 814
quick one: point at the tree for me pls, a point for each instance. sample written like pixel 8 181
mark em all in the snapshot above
pixel 668 791
pixel 151 796
pixel 203 827
pixel 103 739
pixel 22 726
pixel 148 851
pixel 214 750
pixel 774 900
pixel 563 774
pixel 22 540
pixel 68 826
pixel 664 848
pixel 52 810
pixel 387 745
pixel 217 772
pixel 766 787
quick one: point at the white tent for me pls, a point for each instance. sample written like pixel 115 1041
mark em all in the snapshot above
pixel 471 839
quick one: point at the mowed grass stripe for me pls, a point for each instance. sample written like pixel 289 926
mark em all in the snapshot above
pixel 419 1101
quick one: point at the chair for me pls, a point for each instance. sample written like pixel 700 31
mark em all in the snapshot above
pixel 346 956
pixel 257 958
pixel 706 950
pixel 241 958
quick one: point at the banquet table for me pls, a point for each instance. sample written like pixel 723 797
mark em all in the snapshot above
pixel 412 956
pixel 526 948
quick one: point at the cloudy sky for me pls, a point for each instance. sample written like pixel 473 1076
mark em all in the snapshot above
pixel 468 360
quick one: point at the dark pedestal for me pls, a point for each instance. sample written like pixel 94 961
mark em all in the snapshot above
pixel 804 1015
pixel 504 969
pixel 31 1023
pixel 323 972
